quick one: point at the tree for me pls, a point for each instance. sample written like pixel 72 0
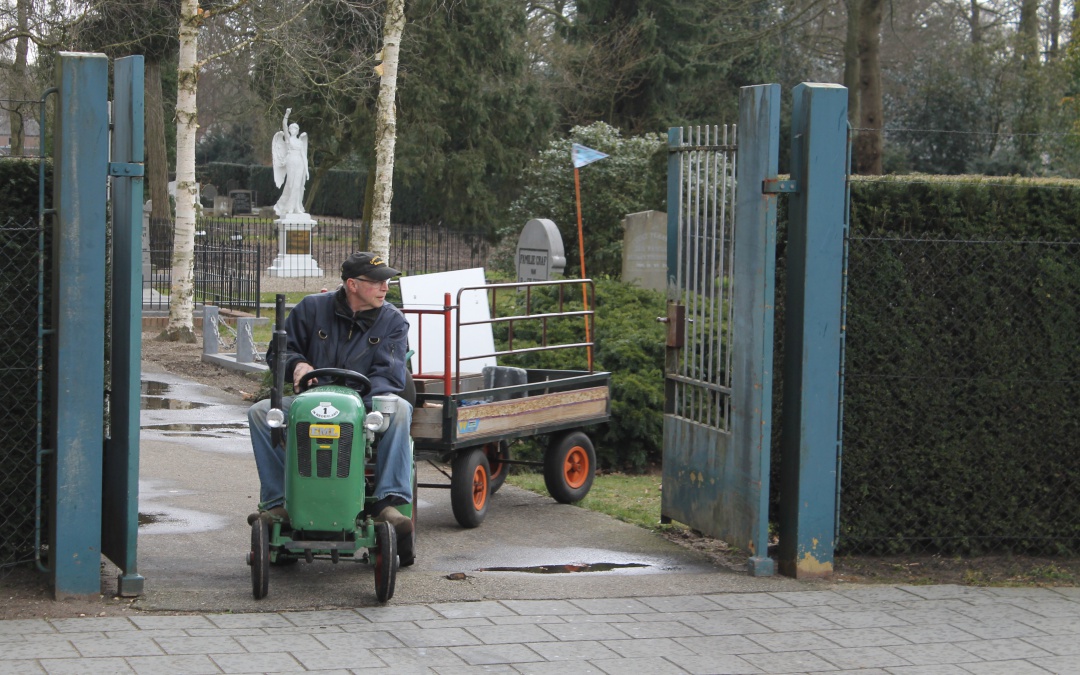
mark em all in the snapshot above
pixel 868 143
pixel 386 127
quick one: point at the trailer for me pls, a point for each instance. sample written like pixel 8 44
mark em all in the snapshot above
pixel 467 419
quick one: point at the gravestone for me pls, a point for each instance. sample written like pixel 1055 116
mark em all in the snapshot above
pixel 223 206
pixel 645 249
pixel 209 193
pixel 241 201
pixel 540 255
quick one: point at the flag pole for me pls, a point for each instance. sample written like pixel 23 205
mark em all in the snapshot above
pixel 581 257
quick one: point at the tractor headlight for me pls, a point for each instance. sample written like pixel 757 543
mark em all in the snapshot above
pixel 376 421
pixel 275 418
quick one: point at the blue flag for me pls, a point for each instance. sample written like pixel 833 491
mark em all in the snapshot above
pixel 582 155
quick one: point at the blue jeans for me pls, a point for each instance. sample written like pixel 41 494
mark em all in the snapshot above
pixel 393 464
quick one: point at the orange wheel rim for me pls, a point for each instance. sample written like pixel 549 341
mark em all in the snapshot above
pixel 479 488
pixel 576 467
pixel 492 452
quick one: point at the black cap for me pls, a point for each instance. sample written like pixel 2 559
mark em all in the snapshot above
pixel 366 264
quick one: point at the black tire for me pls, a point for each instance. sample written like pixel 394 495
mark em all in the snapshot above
pixel 407 546
pixel 386 561
pixel 497 453
pixel 569 467
pixel 260 559
pixel 469 487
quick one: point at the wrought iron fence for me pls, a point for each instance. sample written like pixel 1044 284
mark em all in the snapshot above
pixel 233 256
pixel 961 397
pixel 22 300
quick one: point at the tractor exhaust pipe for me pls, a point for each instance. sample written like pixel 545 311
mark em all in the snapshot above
pixel 277 368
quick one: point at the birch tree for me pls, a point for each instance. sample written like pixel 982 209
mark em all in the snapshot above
pixel 386 127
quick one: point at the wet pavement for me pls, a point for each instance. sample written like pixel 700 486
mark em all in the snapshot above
pixel 539 587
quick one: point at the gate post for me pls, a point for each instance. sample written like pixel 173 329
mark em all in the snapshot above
pixel 81 155
pixel 812 313
pixel 755 289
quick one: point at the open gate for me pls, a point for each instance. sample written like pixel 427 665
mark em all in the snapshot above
pixel 721 297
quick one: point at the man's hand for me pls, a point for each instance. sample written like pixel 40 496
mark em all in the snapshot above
pixel 298 373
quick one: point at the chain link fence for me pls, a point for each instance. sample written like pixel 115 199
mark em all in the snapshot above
pixel 21 390
pixel 961 396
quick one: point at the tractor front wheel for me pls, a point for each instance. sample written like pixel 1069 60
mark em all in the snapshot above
pixel 386 561
pixel 259 559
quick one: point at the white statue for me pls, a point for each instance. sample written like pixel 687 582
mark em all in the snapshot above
pixel 290 166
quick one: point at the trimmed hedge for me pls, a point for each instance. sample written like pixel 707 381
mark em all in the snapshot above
pixel 340 193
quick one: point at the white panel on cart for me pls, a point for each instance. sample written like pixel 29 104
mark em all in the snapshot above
pixel 426 291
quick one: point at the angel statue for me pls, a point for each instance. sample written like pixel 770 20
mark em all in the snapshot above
pixel 290 166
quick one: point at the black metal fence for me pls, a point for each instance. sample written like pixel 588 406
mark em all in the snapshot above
pixel 233 256
pixel 22 299
pixel 962 394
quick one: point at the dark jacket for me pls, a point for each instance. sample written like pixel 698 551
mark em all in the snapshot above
pixel 324 332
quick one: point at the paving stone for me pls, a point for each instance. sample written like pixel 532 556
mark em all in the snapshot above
pixel 861 657
pixel 749 601
pixel 927 615
pixel 133 645
pixel 934 654
pixel 613 606
pixel 264 644
pixel 248 620
pixel 931 633
pixel 489 654
pixel 714 665
pixel 1055 626
pixel 26 627
pixel 188 622
pixel 201 645
pixel 1063 665
pixel 812 598
pixel 941 591
pixel 436 637
pixel 999 629
pixel 585 631
pixel 602 618
pixel 92 624
pixel 657 629
pixel 861 619
pixel 787 662
pixel 648 647
pixel 562 668
pixel 510 634
pixel 409 659
pixel 793 620
pixel 543 607
pixel 86 666
pixel 458 610
pixel 730 625
pixel 654 666
pixel 693 603
pixel 1003 668
pixel 192 664
pixel 334 617
pixel 466 622
pixel 792 642
pixel 578 650
pixel 325 659
pixel 725 644
pixel 937 669
pixel 27 667
pixel 1002 650
pixel 873 594
pixel 472 670
pixel 365 640
pixel 257 663
pixel 1059 645
pixel 396 613
pixel 862 637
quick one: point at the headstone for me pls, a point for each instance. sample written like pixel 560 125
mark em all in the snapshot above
pixel 209 192
pixel 241 201
pixel 645 249
pixel 223 206
pixel 540 255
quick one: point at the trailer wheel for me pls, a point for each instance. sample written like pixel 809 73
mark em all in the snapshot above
pixel 469 487
pixel 386 561
pixel 569 467
pixel 498 453
pixel 259 559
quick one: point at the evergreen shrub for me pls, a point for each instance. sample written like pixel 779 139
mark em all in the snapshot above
pixel 629 344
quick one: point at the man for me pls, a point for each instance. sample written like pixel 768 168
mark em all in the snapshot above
pixel 352 328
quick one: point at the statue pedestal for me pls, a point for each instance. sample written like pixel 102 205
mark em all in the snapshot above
pixel 294 248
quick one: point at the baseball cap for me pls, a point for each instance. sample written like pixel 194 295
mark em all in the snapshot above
pixel 367 264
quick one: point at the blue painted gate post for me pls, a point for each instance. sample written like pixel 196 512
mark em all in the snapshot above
pixel 80 156
pixel 120 505
pixel 754 299
pixel 812 314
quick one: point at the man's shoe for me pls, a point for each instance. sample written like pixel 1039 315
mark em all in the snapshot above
pixel 400 522
pixel 269 515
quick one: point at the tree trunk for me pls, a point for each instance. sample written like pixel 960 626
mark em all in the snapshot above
pixel 1028 120
pixel 182 290
pixel 386 128
pixel 868 143
pixel 975 22
pixel 851 60
pixel 157 169
pixel 18 71
pixel 1055 30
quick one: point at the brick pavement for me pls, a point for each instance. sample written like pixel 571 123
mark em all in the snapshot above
pixel 858 629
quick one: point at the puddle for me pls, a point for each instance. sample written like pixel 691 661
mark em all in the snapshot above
pixel 565 569
pixel 157 403
pixel 149 518
pixel 153 388
pixel 210 430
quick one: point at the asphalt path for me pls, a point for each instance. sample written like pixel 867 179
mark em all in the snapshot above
pixel 198 483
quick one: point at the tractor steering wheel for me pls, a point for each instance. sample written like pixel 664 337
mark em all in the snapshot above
pixel 347 378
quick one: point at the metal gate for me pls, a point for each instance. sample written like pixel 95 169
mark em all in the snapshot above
pixel 719 363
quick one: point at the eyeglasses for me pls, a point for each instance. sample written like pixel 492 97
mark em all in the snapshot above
pixel 373 282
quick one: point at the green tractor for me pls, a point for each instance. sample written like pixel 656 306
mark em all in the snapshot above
pixel 329 479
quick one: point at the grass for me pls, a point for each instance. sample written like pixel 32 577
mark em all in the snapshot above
pixel 630 498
